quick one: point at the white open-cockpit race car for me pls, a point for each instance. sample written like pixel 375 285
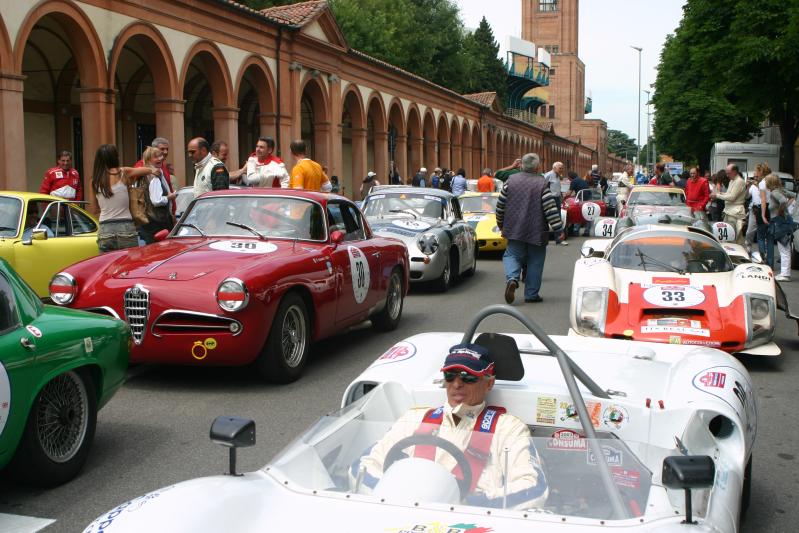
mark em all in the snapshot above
pixel 673 428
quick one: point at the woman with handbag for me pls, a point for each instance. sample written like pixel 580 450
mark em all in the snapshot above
pixel 780 225
pixel 156 196
pixel 110 184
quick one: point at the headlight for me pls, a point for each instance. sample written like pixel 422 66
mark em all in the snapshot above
pixel 428 244
pixel 591 311
pixel 63 288
pixel 760 314
pixel 232 295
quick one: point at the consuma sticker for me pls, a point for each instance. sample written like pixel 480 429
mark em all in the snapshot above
pixel 674 296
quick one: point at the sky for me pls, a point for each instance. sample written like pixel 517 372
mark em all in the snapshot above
pixel 608 28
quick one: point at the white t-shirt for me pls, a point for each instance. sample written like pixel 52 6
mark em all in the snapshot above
pixel 754 194
pixel 762 187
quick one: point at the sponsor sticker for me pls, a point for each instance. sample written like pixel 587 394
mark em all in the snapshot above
pixel 671 281
pixel 199 350
pixel 440 527
pixel 734 389
pixel 674 296
pixel 413 225
pixel 615 416
pixel 475 218
pixel 713 379
pixel 624 477
pixel 678 322
pixel 546 410
pixel 697 332
pixel 359 267
pixel 675 339
pixel 700 342
pixel 402 351
pixel 567 412
pixel 566 439
pixel 244 247
pixel 87 344
pixel 33 330
pixel 613 456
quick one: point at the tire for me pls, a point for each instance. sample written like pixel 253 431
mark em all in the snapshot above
pixel 746 490
pixel 67 407
pixel 443 283
pixel 285 353
pixel 469 273
pixel 388 318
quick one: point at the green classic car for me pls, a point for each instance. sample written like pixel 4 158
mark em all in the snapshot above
pixel 58 367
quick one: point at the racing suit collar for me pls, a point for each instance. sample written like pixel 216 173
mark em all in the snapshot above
pixel 203 161
pixel 465 412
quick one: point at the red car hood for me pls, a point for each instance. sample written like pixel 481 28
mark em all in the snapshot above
pixel 187 259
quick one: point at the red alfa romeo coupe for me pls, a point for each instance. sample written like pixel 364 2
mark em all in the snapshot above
pixel 246 276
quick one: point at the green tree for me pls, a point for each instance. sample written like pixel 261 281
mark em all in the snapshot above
pixel 620 144
pixel 485 71
pixel 728 66
pixel 262 4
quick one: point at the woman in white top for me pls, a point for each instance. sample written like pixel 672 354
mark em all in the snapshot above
pixel 753 193
pixel 159 214
pixel 110 185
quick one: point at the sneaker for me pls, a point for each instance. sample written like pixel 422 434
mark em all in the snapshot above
pixel 563 243
pixel 783 278
pixel 535 299
pixel 510 290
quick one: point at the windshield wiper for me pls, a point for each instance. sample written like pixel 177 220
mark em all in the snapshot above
pixel 406 211
pixel 644 258
pixel 248 228
pixel 190 225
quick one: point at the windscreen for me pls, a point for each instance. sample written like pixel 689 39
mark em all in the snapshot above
pixel 268 216
pixel 406 459
pixel 10 209
pixel 404 205
pixel 479 204
pixel 678 252
pixel 661 198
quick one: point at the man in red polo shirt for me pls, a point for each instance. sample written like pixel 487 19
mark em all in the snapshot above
pixel 697 191
pixel 63 180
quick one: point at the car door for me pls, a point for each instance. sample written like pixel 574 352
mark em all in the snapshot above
pixel 37 260
pixel 462 235
pixel 357 262
pixel 13 353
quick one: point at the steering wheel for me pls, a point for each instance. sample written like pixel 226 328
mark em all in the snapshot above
pixel 395 453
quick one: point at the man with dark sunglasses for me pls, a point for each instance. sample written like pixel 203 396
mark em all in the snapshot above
pixel 486 434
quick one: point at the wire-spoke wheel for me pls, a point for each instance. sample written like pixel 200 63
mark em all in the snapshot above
pixel 59 431
pixel 388 318
pixel 285 353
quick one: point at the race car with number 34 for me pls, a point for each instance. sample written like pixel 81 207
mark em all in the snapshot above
pixel 674 284
pixel 246 276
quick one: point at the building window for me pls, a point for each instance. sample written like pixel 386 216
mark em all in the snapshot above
pixel 551 72
pixel 552 111
pixel 552 48
pixel 547 5
pixel 543 110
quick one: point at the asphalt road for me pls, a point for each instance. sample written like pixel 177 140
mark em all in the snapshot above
pixel 154 432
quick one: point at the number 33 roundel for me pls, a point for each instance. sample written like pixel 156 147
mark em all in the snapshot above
pixel 359 267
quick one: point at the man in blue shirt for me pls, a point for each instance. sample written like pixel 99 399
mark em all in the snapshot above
pixel 459 182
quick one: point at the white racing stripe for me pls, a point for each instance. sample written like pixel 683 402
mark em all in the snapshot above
pixel 14 523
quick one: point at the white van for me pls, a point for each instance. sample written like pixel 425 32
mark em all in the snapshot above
pixel 745 155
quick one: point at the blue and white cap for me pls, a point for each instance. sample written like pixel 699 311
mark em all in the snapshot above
pixel 471 358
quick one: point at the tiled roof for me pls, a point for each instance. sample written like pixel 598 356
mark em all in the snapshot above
pixel 484 99
pixel 295 14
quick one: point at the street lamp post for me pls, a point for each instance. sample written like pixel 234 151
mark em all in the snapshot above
pixel 649 159
pixel 638 139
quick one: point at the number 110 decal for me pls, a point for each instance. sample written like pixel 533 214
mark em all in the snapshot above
pixel 359 267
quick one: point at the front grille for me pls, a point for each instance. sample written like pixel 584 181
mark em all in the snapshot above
pixel 137 309
pixel 193 323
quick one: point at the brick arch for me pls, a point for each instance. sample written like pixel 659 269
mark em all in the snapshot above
pixel 216 70
pixel 376 110
pixel 263 75
pixel 442 136
pixel 477 150
pixel 415 141
pixel 456 157
pixel 6 51
pixel 158 55
pixel 86 47
pixel 466 150
pixel 430 138
pixel 394 111
pixel 352 95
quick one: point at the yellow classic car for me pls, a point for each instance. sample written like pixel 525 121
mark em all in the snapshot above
pixel 41 234
pixel 480 211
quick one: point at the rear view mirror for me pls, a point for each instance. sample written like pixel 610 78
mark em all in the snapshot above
pixel 688 472
pixel 39 234
pixel 161 235
pixel 233 432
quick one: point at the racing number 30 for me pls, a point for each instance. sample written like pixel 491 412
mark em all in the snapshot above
pixel 361 281
pixel 672 296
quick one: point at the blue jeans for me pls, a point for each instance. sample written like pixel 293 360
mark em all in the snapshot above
pixel 520 254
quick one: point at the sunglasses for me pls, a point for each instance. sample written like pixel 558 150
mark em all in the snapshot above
pixel 466 377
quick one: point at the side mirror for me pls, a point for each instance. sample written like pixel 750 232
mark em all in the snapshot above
pixel 586 251
pixel 161 235
pixel 233 432
pixel 337 237
pixel 688 472
pixel 39 234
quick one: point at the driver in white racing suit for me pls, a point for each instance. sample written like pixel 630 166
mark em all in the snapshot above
pixel 482 432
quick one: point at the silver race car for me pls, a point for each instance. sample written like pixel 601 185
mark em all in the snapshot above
pixel 441 245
